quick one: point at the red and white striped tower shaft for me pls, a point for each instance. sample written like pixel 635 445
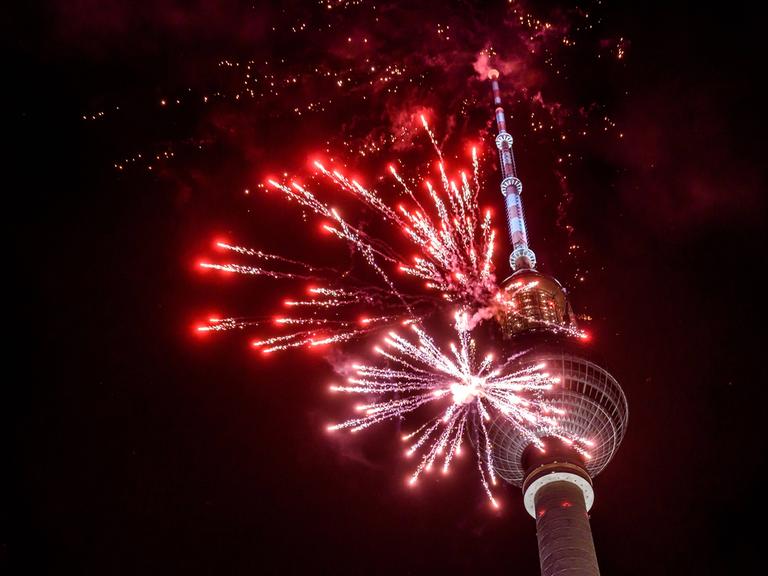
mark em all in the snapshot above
pixel 511 187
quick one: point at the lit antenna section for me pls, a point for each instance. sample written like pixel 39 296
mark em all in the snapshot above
pixel 522 256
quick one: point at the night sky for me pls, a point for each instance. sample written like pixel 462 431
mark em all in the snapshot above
pixel 144 449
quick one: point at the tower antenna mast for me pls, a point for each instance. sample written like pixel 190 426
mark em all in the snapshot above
pixel 522 256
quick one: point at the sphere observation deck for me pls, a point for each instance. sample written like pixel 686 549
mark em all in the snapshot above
pixel 595 408
pixel 539 318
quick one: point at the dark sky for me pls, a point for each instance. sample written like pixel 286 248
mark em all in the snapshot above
pixel 144 450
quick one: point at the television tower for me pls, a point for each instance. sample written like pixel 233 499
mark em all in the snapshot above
pixel 557 482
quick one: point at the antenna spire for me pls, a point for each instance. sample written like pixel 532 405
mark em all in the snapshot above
pixel 511 187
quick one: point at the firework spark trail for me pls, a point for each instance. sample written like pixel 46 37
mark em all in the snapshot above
pixel 263 255
pixel 251 270
pixel 369 197
pixel 305 338
pixel 464 391
pixel 345 231
pixel 321 331
pixel 222 324
pixel 432 139
pixel 302 270
pixel 405 187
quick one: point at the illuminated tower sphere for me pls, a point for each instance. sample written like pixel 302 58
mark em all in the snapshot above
pixel 556 483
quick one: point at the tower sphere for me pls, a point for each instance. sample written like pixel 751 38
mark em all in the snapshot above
pixel 594 407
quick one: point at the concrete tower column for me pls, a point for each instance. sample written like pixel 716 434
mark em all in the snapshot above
pixel 562 529
pixel 558 494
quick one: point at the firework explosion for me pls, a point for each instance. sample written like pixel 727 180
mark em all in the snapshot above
pixel 467 391
pixel 454 260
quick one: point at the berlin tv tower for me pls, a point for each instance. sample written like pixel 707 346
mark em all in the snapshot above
pixel 557 482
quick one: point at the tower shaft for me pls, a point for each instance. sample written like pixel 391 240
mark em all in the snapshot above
pixel 511 187
pixel 562 529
